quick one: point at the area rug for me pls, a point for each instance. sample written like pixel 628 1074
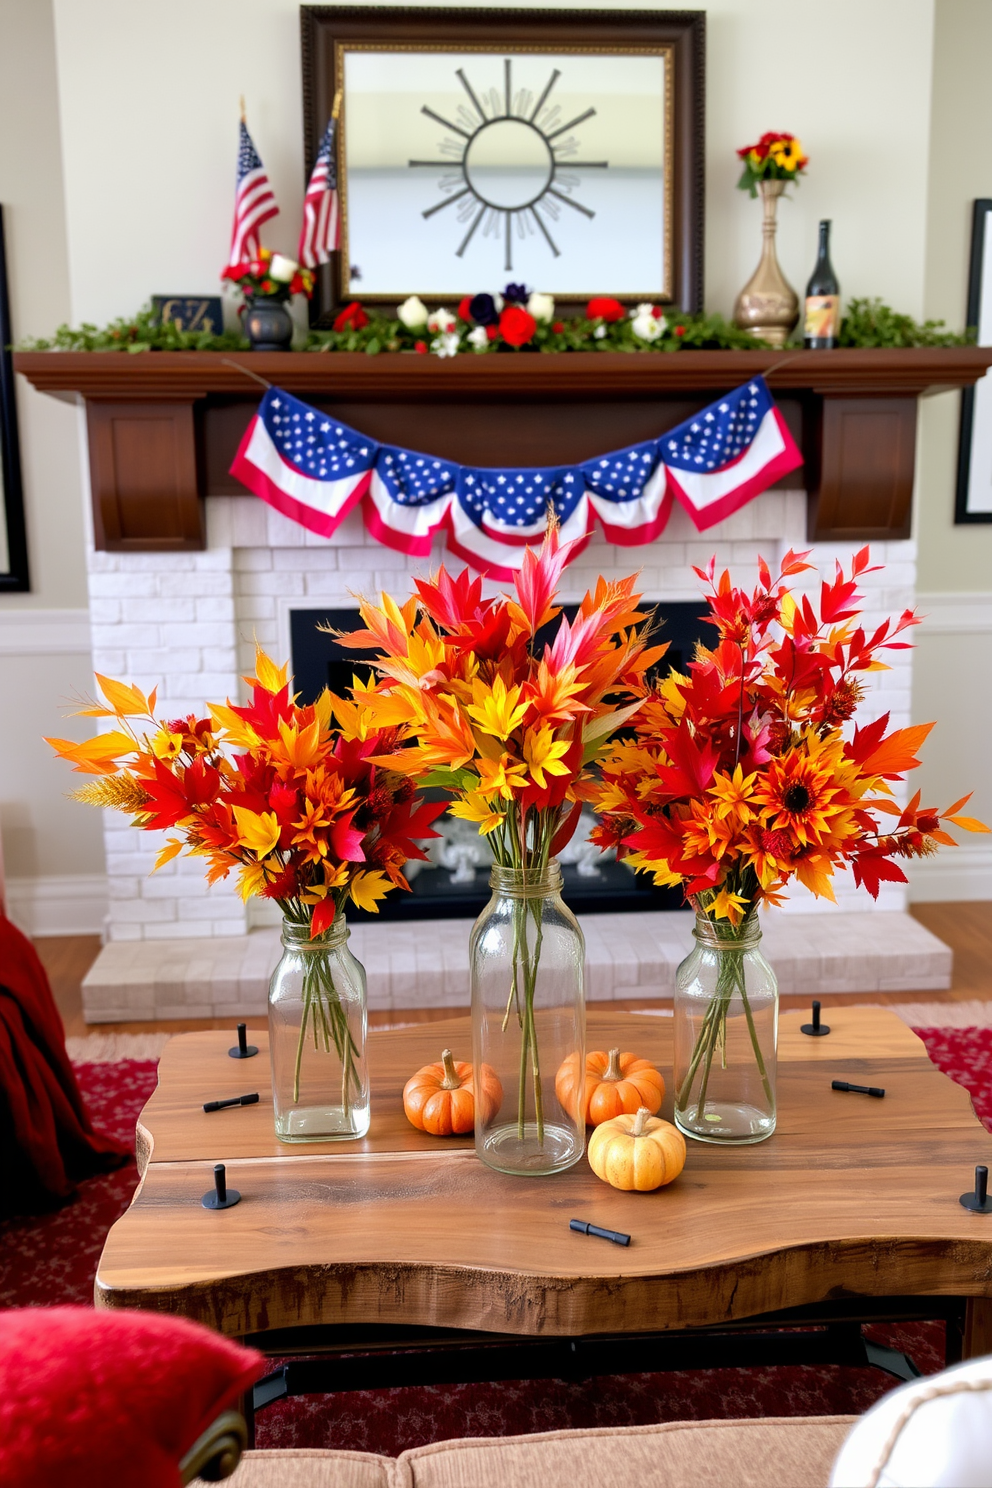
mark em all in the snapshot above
pixel 52 1258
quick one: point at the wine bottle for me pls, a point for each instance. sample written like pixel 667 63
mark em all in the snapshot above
pixel 822 323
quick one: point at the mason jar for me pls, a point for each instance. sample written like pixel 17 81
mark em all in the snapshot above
pixel 317 1029
pixel 726 1035
pixel 528 1016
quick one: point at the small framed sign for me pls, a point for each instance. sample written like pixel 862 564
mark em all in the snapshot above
pixel 974 493
pixel 190 312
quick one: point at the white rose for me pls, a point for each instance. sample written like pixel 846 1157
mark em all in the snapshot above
pixel 446 345
pixel 282 269
pixel 413 313
pixel 442 320
pixel 499 302
pixel 478 338
pixel 599 332
pixel 541 306
pixel 646 325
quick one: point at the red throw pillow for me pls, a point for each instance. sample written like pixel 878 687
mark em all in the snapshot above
pixel 91 1398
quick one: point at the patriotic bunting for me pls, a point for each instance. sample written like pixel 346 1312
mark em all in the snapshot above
pixel 315 469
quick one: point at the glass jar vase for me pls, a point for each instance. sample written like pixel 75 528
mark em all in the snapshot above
pixel 528 1016
pixel 726 1035
pixel 317 1029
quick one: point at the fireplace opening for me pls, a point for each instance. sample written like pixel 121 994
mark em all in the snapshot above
pixel 454 883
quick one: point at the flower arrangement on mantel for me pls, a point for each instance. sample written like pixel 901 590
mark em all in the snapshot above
pixel 775 157
pixel 742 775
pixel 270 276
pixel 868 323
pixel 298 808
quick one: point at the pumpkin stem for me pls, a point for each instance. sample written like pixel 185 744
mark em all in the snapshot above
pixel 640 1122
pixel 451 1080
pixel 613 1068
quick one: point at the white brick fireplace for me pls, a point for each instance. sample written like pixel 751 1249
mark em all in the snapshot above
pixel 188 622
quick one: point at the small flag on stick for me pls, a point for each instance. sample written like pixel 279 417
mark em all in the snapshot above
pixel 321 232
pixel 254 201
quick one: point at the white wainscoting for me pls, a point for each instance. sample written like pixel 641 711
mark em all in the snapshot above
pixel 59 904
pixel 44 632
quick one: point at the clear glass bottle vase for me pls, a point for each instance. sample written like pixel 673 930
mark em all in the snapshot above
pixel 317 1030
pixel 726 1036
pixel 528 1016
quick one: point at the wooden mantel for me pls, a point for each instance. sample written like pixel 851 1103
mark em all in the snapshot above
pixel 164 426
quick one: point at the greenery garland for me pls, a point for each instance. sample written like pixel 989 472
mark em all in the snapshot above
pixel 867 323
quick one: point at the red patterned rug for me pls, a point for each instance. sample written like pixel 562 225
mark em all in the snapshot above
pixel 53 1259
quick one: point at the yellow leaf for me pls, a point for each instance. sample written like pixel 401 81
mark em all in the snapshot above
pixel 969 823
pixel 251 880
pixel 172 849
pixel 125 700
pixel 258 832
pixel 270 677
pixel 367 888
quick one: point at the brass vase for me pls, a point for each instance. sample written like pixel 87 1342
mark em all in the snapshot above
pixel 768 306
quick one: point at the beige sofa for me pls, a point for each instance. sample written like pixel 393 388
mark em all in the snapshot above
pixel 779 1452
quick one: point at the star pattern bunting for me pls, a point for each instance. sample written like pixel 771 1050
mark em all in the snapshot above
pixel 315 469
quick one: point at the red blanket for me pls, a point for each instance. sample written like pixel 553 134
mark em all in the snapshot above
pixel 47 1143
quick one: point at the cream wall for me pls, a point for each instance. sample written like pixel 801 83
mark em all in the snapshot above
pixel 44 635
pixel 953 665
pixel 167 230
pixel 146 148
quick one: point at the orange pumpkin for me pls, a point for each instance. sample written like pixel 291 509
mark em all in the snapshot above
pixel 615 1084
pixel 440 1098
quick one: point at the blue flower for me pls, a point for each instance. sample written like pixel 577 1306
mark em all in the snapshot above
pixel 516 294
pixel 482 308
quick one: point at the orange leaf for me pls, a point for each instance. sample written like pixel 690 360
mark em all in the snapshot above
pixel 123 699
pixel 898 752
pixel 958 804
pixel 968 823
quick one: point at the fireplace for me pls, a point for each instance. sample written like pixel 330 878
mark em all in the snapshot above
pixel 454 882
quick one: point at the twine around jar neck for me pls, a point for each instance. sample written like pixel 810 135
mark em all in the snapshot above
pixel 526 883
pixel 296 936
pixel 723 936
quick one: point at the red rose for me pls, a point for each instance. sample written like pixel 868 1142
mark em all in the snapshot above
pixel 352 317
pixel 517 325
pixel 492 332
pixel 603 308
pixel 680 330
pixel 420 347
pixel 558 326
pixel 464 313
pixel 267 286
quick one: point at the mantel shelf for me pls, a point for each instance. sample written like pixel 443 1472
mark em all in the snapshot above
pixel 587 375
pixel 164 426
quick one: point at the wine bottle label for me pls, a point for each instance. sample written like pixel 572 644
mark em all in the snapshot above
pixel 822 317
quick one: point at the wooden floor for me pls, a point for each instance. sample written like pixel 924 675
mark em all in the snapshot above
pixel 966 928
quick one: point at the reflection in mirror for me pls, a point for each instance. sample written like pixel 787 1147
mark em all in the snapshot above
pixel 464 168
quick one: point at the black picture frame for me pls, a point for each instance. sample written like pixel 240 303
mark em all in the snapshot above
pixel 973 415
pixel 327 31
pixel 16 578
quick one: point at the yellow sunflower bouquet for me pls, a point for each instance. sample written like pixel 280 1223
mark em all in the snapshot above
pixel 775 157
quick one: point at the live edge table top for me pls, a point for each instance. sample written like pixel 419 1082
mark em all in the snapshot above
pixel 852 1195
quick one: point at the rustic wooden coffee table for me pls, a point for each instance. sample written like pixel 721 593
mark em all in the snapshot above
pixel 400 1240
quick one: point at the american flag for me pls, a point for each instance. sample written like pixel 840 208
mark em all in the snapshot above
pixel 321 232
pixel 254 202
pixel 315 469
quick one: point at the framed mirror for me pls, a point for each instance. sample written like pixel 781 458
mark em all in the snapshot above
pixel 562 150
pixel 14 576
pixel 973 501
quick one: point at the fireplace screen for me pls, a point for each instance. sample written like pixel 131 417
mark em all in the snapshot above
pixel 454 882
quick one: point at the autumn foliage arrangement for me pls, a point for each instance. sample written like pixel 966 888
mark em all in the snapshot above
pixel 272 791
pixel 747 772
pixel 506 718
